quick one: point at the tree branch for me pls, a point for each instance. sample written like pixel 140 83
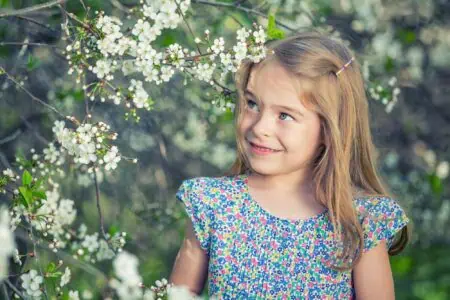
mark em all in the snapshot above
pixel 12 287
pixel 20 128
pixel 30 94
pixel 35 22
pixel 30 9
pixel 239 7
pixel 27 44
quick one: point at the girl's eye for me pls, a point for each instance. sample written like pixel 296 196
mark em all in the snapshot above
pixel 285 114
pixel 250 103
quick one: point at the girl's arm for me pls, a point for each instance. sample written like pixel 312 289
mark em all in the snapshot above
pixel 372 275
pixel 191 264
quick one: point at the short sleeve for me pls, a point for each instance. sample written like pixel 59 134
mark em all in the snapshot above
pixel 381 219
pixel 191 193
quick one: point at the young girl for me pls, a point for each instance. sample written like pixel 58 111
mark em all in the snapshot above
pixel 303 213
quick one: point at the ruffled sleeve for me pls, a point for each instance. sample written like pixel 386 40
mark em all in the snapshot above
pixel 381 218
pixel 191 193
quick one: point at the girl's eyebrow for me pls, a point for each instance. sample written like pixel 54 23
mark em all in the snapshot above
pixel 288 108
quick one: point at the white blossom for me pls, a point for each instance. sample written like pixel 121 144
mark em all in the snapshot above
pixel 7 241
pixel 8 172
pixel 442 169
pixel 103 68
pixel 91 242
pixel 111 158
pixel 74 295
pixel 31 283
pixel 65 278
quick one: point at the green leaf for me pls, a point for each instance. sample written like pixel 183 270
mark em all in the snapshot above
pixel 4 3
pixel 51 267
pixel 273 33
pixel 436 184
pixel 401 265
pixel 39 194
pixel 54 275
pixel 39 182
pixel 27 196
pixel 26 178
pixel 389 64
pixel 408 37
pixel 113 229
pixel 32 62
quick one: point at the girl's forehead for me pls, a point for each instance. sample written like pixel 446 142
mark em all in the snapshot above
pixel 273 79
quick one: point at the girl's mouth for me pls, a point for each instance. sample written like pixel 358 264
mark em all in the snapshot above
pixel 261 150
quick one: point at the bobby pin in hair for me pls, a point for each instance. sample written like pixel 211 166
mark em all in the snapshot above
pixel 345 66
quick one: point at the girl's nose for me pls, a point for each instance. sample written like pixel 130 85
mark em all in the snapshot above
pixel 263 126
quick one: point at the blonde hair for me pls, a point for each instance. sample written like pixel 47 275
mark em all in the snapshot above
pixel 346 163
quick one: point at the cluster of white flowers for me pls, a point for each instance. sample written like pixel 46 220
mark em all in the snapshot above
pixel 92 249
pixel 440 168
pixel 164 12
pixel 113 42
pixel 103 68
pixel 86 144
pixel 7 241
pixel 31 282
pixel 126 269
pixel 387 95
pixel 160 66
pixel 128 284
pixel 65 278
pixel 176 55
pixel 55 216
pixel 8 176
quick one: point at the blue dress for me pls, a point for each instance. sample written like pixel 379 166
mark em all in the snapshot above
pixel 256 255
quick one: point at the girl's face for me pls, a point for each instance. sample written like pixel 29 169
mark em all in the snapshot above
pixel 274 117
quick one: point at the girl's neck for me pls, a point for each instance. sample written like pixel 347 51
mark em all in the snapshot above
pixel 284 183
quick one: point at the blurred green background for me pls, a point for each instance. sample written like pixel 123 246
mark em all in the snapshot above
pixel 185 135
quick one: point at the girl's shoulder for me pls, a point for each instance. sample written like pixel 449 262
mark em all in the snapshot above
pixel 205 199
pixel 381 218
pixel 210 190
pixel 378 206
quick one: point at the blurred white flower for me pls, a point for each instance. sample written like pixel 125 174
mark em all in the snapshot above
pixel 442 169
pixel 31 283
pixel 65 278
pixel 74 295
pixel 7 241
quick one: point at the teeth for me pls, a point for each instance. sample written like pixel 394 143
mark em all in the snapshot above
pixel 262 148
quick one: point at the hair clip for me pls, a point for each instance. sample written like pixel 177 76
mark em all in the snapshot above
pixel 345 66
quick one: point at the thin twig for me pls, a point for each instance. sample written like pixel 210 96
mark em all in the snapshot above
pixel 36 255
pixel 11 137
pixel 120 6
pixel 189 27
pixel 28 44
pixel 68 258
pixel 30 94
pixel 84 5
pixel 20 128
pixel 97 195
pixel 34 130
pixel 238 7
pixel 4 161
pixel 5 291
pixel 11 286
pixel 35 22
pixel 30 9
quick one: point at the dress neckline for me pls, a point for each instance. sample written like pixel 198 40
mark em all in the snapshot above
pixel 251 201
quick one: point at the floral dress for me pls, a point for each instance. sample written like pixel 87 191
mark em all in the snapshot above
pixel 254 254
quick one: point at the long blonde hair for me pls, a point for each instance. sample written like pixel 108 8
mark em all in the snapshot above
pixel 346 163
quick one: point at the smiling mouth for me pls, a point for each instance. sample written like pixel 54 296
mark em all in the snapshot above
pixel 259 148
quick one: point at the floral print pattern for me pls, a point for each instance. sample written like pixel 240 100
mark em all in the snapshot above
pixel 254 254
